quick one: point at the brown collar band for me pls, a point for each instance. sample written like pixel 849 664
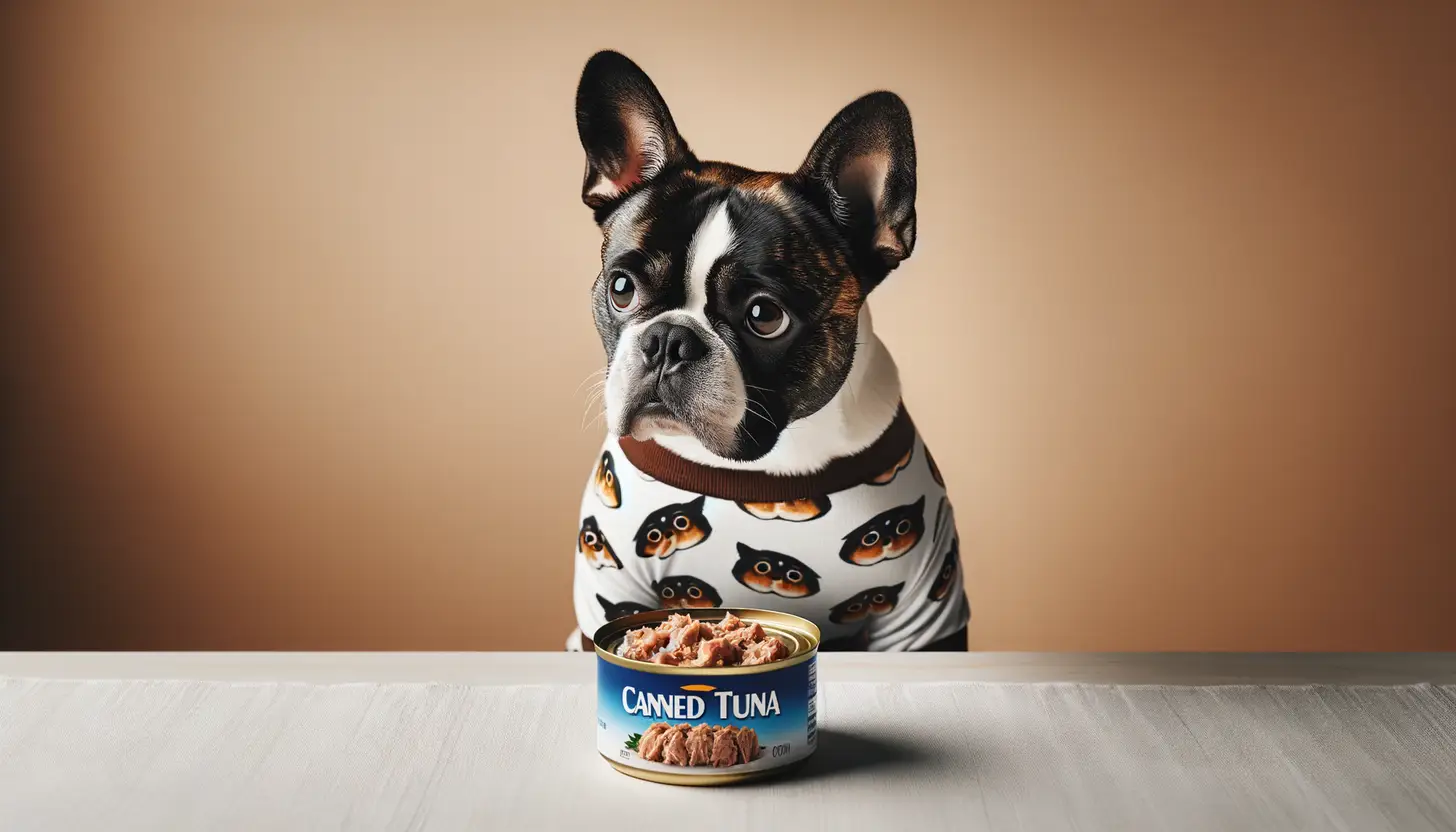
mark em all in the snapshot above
pixel 758 487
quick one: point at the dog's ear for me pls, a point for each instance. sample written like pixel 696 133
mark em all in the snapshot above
pixel 862 168
pixel 625 129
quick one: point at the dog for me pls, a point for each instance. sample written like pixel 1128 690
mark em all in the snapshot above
pixel 758 453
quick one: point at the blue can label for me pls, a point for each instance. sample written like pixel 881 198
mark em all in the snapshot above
pixel 723 723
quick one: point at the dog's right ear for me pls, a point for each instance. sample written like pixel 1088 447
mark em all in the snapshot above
pixel 625 129
pixel 863 168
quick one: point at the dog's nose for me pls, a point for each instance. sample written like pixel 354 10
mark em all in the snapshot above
pixel 669 346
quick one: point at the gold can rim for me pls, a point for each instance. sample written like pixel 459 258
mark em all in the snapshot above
pixel 715 779
pixel 801 632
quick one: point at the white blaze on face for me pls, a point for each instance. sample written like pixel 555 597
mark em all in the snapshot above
pixel 711 241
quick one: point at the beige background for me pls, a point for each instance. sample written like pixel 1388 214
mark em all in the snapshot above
pixel 295 310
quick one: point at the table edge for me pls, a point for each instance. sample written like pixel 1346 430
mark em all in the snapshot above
pixel 567 668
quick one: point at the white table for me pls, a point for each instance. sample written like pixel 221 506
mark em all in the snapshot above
pixel 979 741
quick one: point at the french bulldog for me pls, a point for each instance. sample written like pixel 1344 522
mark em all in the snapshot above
pixel 758 452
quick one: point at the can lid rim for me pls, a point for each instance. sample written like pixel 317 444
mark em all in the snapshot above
pixel 801 630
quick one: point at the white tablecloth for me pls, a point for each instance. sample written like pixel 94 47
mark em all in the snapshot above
pixel 151 755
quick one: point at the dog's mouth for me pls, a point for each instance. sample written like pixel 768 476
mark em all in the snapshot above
pixel 702 403
pixel 654 418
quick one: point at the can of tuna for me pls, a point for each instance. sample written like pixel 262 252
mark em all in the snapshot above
pixel 706 696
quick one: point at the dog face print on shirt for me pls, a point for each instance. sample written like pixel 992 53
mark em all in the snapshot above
pixel 795 511
pixel 889 476
pixel 774 573
pixel 672 528
pixel 886 536
pixel 876 600
pixel 604 482
pixel 621 610
pixel 594 546
pixel 950 569
pixel 934 469
pixel 679 591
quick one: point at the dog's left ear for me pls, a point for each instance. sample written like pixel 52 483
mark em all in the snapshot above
pixel 863 169
pixel 625 128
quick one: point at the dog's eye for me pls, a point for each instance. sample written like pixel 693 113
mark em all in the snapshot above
pixel 622 292
pixel 870 539
pixel 945 573
pixel 681 523
pixel 762 567
pixel 878 599
pixel 694 592
pixel 903 527
pixel 590 538
pixel 794 576
pixel 856 607
pixel 653 535
pixel 767 319
pixel 667 592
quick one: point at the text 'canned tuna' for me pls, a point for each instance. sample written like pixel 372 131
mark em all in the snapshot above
pixel 682 706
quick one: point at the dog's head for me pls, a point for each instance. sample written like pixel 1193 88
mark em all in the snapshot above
pixel 729 299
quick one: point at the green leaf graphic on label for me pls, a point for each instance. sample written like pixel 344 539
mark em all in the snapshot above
pixel 633 740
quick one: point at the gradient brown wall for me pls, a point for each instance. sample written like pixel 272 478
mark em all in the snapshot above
pixel 295 310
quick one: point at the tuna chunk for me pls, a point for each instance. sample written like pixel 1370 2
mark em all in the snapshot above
pixel 640 645
pixel 747 744
pixel 675 748
pixel 674 622
pixel 650 746
pixel 718 652
pixel 746 634
pixel 725 747
pixel 764 652
pixel 687 636
pixel 729 623
pixel 700 745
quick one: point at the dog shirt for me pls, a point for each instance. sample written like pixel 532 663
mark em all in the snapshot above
pixel 866 549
